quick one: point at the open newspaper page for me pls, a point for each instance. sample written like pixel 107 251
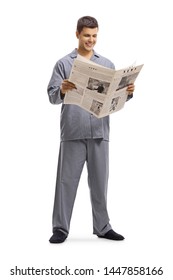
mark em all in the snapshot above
pixel 100 90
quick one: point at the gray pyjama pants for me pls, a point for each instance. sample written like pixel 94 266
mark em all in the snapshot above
pixel 72 156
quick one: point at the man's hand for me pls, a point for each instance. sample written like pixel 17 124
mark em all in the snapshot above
pixel 130 89
pixel 67 86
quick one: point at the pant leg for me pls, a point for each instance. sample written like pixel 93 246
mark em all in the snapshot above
pixel 72 156
pixel 98 172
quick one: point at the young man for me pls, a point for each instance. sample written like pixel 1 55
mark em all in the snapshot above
pixel 84 138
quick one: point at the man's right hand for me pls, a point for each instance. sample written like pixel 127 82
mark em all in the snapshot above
pixel 67 86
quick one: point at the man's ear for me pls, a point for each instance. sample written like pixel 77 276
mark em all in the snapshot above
pixel 77 34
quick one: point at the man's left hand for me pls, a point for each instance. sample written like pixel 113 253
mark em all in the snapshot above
pixel 130 89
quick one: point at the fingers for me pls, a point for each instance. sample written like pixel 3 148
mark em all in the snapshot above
pixel 130 88
pixel 67 86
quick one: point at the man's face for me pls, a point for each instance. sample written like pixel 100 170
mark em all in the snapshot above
pixel 87 38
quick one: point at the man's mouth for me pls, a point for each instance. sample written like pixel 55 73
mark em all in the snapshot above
pixel 89 45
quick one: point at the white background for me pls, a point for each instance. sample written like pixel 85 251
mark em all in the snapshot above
pixel 34 35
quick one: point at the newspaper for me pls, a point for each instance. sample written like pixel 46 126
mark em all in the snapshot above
pixel 99 90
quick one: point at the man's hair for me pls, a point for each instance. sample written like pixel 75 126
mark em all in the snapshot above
pixel 86 21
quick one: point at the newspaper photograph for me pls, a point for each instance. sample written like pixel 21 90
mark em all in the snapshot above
pixel 99 90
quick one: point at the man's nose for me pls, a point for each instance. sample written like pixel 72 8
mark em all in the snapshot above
pixel 91 39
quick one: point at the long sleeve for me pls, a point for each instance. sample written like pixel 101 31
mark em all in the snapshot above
pixel 54 93
pixel 129 97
